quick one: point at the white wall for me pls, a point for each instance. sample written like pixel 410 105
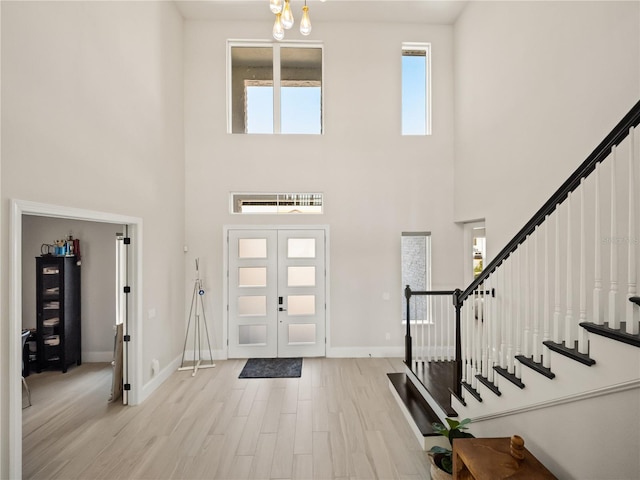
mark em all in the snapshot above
pixel 97 248
pixel 538 86
pixel 376 183
pixel 92 117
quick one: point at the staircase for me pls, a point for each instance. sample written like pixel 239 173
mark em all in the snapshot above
pixel 545 342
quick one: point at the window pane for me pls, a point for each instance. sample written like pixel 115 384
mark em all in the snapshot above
pixel 252 306
pixel 302 333
pixel 251 89
pixel 416 271
pixel 301 90
pixel 252 277
pixel 301 248
pixel 252 248
pixel 252 334
pixel 301 276
pixel 414 91
pixel 259 114
pixel 301 304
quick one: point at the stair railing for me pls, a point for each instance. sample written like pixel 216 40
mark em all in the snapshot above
pixel 562 271
pixel 435 332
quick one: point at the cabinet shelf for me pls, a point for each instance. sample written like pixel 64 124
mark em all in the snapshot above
pixel 58 312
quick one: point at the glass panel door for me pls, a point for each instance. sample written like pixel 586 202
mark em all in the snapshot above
pixel 276 293
pixel 252 293
pixel 301 288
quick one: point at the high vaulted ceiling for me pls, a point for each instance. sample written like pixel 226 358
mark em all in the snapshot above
pixel 402 11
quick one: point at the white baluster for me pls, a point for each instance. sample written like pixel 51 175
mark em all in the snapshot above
pixel 556 308
pixel 450 327
pixel 506 311
pixel 516 320
pixel 441 326
pixel 487 329
pixel 476 330
pixel 535 338
pixel 469 337
pixel 521 295
pixel 507 267
pixel 583 345
pixel 526 330
pixel 495 325
pixel 546 356
pixel 515 305
pixel 632 242
pixel 597 280
pixel 492 329
pixel 613 244
pixel 568 319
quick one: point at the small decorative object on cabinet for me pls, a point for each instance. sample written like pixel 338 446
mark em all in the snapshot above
pixel 58 311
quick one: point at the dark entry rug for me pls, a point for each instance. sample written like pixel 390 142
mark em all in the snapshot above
pixel 272 368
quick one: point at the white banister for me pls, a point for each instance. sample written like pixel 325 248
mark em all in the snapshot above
pixel 597 276
pixel 632 241
pixel 506 312
pixel 509 275
pixel 546 318
pixel 583 346
pixel 526 291
pixel 556 285
pixel 613 258
pixel 568 318
pixel 515 287
pixel 503 317
pixel 492 332
pixel 516 320
pixel 535 337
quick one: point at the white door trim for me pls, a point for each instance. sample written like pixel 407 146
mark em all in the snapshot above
pixel 18 208
pixel 225 270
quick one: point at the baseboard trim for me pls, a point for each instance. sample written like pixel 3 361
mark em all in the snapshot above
pixel 153 384
pixel 364 352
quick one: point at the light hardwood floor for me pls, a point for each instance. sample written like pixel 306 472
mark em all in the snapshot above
pixel 338 421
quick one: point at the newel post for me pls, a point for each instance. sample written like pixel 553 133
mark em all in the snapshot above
pixel 457 381
pixel 407 338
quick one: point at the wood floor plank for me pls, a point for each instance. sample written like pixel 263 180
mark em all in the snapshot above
pixel 338 420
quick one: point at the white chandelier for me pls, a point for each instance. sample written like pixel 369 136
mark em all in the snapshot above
pixel 284 18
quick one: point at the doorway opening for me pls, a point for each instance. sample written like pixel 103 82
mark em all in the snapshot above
pixel 19 209
pixel 475 250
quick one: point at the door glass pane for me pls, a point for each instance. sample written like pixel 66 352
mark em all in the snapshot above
pixel 254 305
pixel 252 248
pixel 302 333
pixel 301 304
pixel 301 276
pixel 252 277
pixel 252 334
pixel 301 248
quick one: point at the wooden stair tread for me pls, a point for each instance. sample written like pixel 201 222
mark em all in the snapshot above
pixel 422 414
pixel 615 334
pixel 438 379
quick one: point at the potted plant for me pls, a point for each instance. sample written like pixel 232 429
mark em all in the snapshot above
pixel 441 457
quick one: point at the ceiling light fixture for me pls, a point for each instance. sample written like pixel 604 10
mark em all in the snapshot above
pixel 284 18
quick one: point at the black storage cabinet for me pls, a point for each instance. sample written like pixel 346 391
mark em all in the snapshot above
pixel 58 311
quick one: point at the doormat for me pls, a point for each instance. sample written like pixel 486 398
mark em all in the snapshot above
pixel 272 368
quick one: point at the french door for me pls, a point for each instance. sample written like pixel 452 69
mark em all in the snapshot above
pixel 276 289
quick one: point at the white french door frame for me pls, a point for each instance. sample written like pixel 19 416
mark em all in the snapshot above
pixel 18 208
pixel 225 269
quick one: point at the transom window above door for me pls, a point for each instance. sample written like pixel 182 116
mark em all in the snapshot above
pixel 274 87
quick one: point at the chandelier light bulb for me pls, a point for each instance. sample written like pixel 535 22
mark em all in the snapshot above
pixel 276 6
pixel 287 15
pixel 278 28
pixel 305 23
